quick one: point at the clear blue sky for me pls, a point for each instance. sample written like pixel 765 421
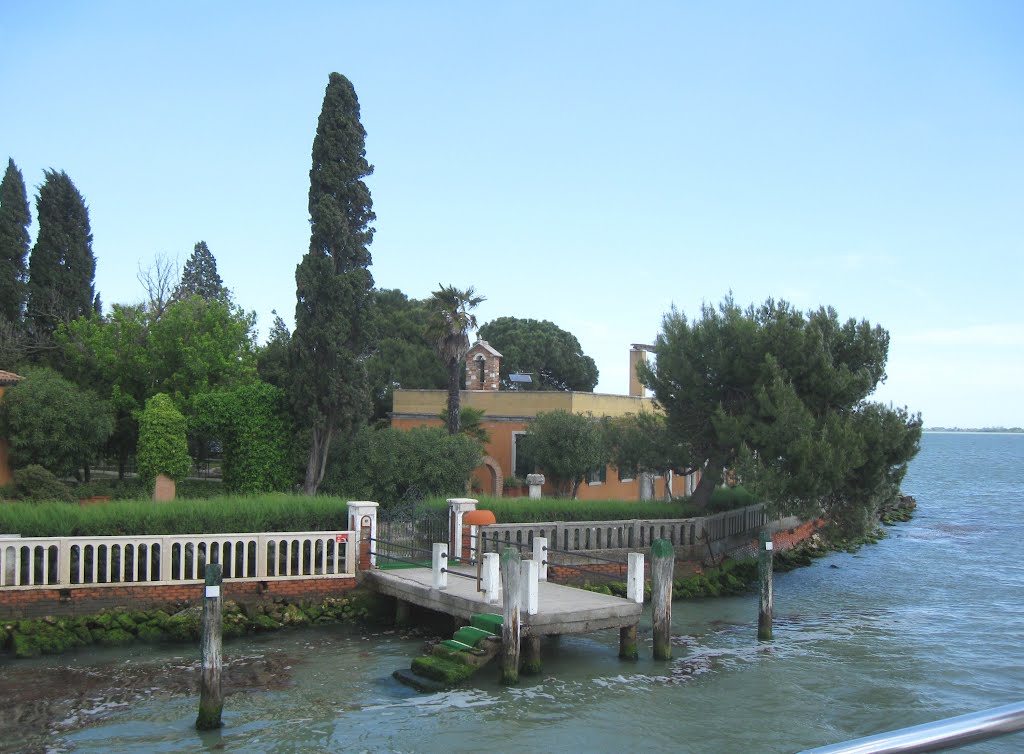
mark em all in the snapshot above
pixel 584 162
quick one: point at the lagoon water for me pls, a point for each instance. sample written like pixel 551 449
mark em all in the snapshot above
pixel 927 624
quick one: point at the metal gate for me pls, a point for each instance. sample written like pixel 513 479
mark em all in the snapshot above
pixel 407 530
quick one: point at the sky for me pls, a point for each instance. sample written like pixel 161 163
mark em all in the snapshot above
pixel 589 163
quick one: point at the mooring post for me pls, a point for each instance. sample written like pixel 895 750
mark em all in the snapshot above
pixel 635 578
pixel 439 563
pixel 663 561
pixel 767 601
pixel 628 648
pixel 492 577
pixel 211 698
pixel 531 586
pixel 512 590
pixel 540 554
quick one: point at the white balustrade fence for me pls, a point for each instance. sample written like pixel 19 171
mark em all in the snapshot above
pixel 68 561
pixel 626 534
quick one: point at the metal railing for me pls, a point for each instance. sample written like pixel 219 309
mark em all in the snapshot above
pixel 952 732
pixel 46 562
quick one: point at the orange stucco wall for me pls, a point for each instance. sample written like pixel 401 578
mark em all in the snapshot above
pixel 510 413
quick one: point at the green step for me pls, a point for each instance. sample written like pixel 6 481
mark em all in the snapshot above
pixel 457 645
pixel 448 672
pixel 488 622
pixel 418 682
pixel 472 635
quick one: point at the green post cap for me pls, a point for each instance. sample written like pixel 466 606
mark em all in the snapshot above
pixel 661 548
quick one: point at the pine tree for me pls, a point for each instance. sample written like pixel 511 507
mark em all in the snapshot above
pixel 61 267
pixel 14 242
pixel 333 285
pixel 199 276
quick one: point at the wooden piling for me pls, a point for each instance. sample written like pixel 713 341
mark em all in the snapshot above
pixel 211 697
pixel 628 643
pixel 767 602
pixel 531 656
pixel 512 593
pixel 663 561
pixel 402 610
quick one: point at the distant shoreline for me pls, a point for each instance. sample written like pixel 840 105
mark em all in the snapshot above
pixel 983 430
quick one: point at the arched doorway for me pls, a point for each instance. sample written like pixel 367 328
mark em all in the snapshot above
pixel 488 477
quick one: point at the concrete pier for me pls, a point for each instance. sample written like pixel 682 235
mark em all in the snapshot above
pixel 561 609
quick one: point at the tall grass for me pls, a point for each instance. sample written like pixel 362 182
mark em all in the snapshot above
pixel 264 513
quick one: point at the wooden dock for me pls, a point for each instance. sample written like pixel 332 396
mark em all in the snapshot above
pixel 562 609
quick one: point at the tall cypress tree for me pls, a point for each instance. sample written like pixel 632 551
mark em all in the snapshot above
pixel 61 267
pixel 333 285
pixel 199 276
pixel 14 241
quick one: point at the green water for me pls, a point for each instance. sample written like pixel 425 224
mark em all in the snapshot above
pixel 924 625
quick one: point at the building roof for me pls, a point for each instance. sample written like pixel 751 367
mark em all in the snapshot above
pixel 485 346
pixel 9 378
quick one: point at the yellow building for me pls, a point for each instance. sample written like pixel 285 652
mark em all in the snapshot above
pixel 6 380
pixel 507 415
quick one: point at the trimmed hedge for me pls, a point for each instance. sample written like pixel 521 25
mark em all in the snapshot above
pixel 521 510
pixel 275 512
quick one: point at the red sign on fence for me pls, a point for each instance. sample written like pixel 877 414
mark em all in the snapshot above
pixel 341 538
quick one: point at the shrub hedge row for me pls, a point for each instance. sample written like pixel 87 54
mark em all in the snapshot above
pixel 283 512
pixel 273 512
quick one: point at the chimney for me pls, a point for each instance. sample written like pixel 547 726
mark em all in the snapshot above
pixel 637 355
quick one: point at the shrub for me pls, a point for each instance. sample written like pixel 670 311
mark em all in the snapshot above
pixel 276 512
pixel 250 421
pixel 163 448
pixel 36 483
pixel 527 511
pixel 384 464
pixel 51 422
pixel 567 447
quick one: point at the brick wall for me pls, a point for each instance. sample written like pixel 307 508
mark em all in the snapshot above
pixel 87 600
pixel 597 572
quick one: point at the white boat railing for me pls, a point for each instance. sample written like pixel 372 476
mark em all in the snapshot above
pixel 69 561
pixel 941 735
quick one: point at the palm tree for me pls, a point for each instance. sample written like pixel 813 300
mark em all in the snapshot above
pixel 451 319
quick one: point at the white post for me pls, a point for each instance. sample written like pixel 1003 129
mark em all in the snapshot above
pixel 540 556
pixel 536 481
pixel 457 508
pixel 491 577
pixel 64 562
pixel 439 563
pixel 530 586
pixel 635 579
pixel 364 513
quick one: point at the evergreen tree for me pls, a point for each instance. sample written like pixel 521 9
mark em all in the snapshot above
pixel 61 267
pixel 14 241
pixel 199 276
pixel 333 285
